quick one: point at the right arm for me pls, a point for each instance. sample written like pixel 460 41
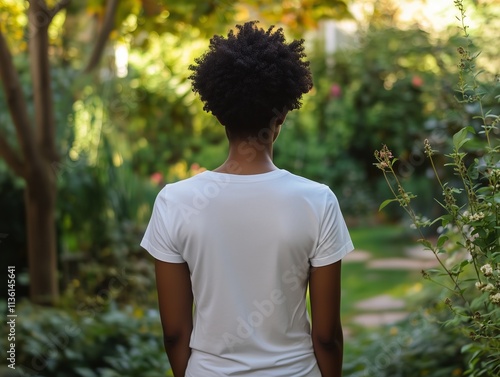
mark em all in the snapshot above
pixel 327 336
pixel 175 299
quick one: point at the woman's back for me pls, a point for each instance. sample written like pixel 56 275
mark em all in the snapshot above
pixel 242 243
pixel 249 242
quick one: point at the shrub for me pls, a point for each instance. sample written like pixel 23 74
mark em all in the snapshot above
pixel 467 245
pixel 411 348
pixel 115 342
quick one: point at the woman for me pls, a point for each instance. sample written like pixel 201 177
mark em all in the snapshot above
pixel 243 242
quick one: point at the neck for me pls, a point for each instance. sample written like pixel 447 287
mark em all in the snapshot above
pixel 248 156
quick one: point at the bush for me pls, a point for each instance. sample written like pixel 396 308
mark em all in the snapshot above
pixel 379 89
pixel 467 245
pixel 114 342
pixel 417 346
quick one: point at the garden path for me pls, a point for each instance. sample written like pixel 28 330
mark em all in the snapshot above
pixel 385 309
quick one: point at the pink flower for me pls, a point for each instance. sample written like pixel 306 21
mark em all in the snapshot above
pixel 335 91
pixel 156 178
pixel 417 81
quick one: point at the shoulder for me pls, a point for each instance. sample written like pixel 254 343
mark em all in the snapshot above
pixel 310 186
pixel 178 190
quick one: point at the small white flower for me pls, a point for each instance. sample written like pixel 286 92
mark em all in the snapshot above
pixel 488 288
pixel 476 216
pixel 487 270
pixel 474 236
pixel 479 285
pixel 495 298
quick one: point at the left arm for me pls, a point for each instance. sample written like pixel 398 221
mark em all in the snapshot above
pixel 327 336
pixel 175 299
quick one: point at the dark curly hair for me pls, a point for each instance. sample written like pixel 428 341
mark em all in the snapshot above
pixel 251 78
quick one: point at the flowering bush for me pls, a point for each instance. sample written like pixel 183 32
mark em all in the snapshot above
pixel 467 245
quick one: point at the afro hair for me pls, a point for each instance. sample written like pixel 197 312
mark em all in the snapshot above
pixel 251 77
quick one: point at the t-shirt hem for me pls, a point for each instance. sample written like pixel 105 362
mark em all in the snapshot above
pixel 341 253
pixel 160 255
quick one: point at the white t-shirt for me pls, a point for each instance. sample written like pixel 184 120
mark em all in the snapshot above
pixel 249 242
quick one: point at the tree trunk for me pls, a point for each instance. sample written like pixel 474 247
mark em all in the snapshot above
pixel 38 154
pixel 41 189
pixel 40 198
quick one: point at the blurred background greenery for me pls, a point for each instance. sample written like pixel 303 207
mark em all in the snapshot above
pixel 126 123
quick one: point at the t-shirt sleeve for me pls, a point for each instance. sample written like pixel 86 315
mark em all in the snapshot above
pixel 156 239
pixel 334 240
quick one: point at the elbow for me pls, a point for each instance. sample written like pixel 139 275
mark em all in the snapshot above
pixel 173 338
pixel 330 344
pixel 331 341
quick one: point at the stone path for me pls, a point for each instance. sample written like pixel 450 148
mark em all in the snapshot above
pixel 385 309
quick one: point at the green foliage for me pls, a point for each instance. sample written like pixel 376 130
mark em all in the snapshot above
pixel 410 348
pixel 12 228
pixel 377 89
pixel 101 198
pixel 468 243
pixel 153 109
pixel 116 342
pixel 102 211
pixel 114 131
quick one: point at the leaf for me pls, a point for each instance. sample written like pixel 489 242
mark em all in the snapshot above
pixel 426 243
pixel 436 220
pixel 469 280
pixel 478 72
pixel 441 240
pixel 385 203
pixel 467 347
pixel 460 138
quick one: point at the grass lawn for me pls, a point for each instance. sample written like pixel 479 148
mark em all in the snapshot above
pixel 386 241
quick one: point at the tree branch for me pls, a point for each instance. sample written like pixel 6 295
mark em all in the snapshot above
pixel 18 109
pixel 42 4
pixel 107 27
pixel 62 4
pixel 11 157
pixel 39 22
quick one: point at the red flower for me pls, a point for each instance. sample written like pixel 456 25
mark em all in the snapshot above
pixel 335 91
pixel 417 81
pixel 156 178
